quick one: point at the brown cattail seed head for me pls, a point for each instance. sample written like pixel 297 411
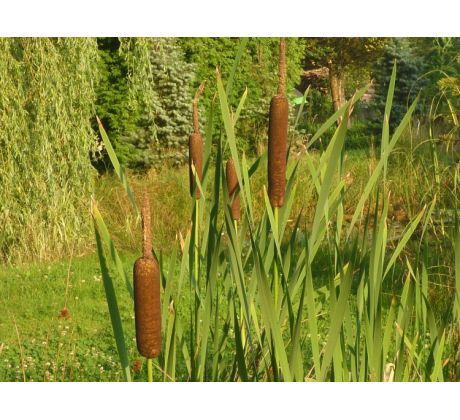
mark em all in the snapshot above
pixel 232 186
pixel 195 146
pixel 277 135
pixel 195 155
pixel 277 146
pixel 147 308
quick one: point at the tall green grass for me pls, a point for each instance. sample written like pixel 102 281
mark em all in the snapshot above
pixel 354 303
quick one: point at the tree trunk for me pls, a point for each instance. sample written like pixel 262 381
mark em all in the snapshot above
pixel 337 86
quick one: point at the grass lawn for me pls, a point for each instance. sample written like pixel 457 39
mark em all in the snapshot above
pixel 55 326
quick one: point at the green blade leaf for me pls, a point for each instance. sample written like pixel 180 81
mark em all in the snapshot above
pixel 374 177
pixel 402 243
pixel 336 321
pixel 117 166
pixel 114 312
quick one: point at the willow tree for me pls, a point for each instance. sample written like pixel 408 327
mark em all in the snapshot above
pixel 46 105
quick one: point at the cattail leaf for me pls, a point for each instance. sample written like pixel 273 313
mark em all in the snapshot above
pixel 229 128
pixel 336 321
pixel 313 173
pixel 247 189
pixel 386 119
pixel 312 314
pixel 273 225
pixel 183 346
pixel 240 106
pixel 457 267
pixel 171 286
pixel 291 188
pixel 388 329
pixel 112 304
pixel 375 175
pixel 241 48
pixel 197 182
pixel 332 204
pixel 236 265
pixel 118 168
pixel 295 360
pixel 239 347
pixel 184 264
pixel 116 260
pixel 410 229
pixel 437 370
pixel 203 338
pixel 170 345
pixel 268 313
pixel 336 150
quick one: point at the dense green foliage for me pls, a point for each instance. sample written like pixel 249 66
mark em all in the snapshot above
pixel 126 100
pixel 172 84
pixel 409 81
pixel 257 72
pixel 144 100
pixel 46 105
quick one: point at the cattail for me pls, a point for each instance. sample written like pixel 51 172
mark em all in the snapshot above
pixel 232 186
pixel 147 306
pixel 195 147
pixel 277 136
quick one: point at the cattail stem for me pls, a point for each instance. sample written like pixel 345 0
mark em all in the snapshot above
pixel 243 329
pixel 196 266
pixel 282 68
pixel 196 122
pixel 197 238
pixel 146 227
pixel 149 370
pixel 275 265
